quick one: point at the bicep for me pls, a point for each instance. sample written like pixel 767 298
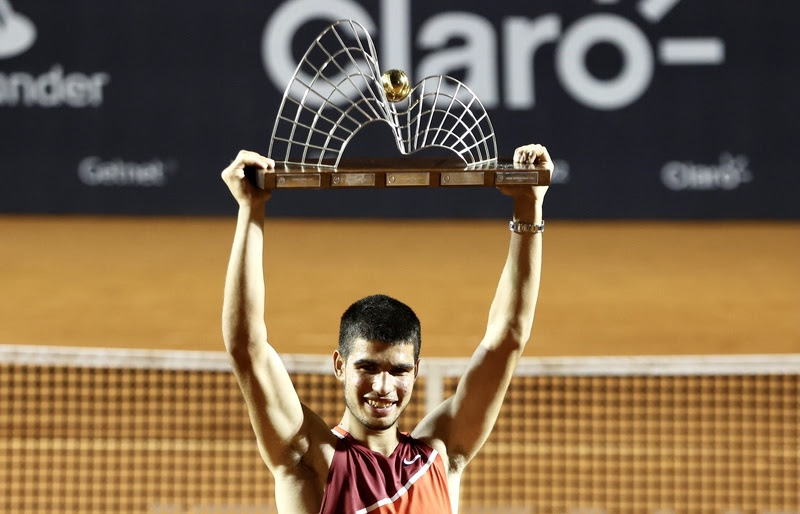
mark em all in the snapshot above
pixel 281 424
pixel 464 421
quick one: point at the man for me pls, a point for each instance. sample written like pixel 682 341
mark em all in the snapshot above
pixel 365 464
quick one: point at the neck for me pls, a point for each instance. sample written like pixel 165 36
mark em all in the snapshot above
pixel 380 441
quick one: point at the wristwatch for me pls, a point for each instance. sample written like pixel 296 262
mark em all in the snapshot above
pixel 521 228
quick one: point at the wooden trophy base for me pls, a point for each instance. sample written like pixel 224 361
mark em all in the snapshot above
pixel 400 172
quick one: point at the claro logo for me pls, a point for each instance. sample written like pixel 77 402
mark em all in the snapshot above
pixel 731 172
pixel 520 36
pixel 53 88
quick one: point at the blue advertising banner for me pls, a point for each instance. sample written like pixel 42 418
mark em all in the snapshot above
pixel 668 109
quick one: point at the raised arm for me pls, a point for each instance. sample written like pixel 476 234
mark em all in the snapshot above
pixel 283 426
pixel 464 421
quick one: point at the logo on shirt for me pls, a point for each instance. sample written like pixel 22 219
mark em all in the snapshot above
pixel 407 462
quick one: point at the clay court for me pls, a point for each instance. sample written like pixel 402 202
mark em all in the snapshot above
pixel 689 404
pixel 609 288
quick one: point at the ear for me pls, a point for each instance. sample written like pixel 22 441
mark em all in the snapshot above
pixel 338 365
pixel 416 369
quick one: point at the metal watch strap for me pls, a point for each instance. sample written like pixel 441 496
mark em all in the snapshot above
pixel 520 227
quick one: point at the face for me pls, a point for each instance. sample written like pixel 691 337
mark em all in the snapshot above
pixel 378 379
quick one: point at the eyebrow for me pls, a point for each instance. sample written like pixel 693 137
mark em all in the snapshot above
pixel 369 362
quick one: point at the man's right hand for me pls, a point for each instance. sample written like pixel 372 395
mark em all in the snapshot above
pixel 242 190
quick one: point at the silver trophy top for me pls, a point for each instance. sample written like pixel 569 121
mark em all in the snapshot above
pixel 338 89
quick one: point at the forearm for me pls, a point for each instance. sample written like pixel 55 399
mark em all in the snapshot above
pixel 512 311
pixel 243 304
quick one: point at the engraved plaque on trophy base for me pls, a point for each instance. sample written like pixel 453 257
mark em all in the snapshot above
pixel 405 172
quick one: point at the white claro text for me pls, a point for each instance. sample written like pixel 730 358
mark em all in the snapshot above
pixel 520 38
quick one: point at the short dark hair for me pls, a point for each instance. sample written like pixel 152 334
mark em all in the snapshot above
pixel 379 318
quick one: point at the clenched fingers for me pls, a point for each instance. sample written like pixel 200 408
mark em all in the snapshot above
pixel 533 154
pixel 234 176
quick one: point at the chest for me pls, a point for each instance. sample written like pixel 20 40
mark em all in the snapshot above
pixel 412 479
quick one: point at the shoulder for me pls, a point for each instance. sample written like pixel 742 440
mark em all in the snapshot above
pixel 434 430
pixel 313 450
pixel 453 467
pixel 320 436
pixel 301 478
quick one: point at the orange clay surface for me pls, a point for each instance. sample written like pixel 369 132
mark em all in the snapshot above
pixel 609 288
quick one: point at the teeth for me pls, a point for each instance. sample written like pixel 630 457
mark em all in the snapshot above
pixel 379 404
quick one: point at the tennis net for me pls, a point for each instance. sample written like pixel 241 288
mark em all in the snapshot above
pixel 123 431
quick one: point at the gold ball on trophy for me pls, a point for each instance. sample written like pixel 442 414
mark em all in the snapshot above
pixel 396 85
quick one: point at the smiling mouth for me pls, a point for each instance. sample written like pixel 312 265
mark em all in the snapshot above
pixel 379 404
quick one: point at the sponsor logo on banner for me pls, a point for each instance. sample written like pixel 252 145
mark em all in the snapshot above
pixel 17 32
pixel 560 172
pixel 96 172
pixel 729 173
pixel 518 37
pixel 53 88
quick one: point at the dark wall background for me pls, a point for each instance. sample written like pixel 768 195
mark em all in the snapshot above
pixel 134 107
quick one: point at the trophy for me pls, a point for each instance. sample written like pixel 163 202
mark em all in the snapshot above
pixel 338 90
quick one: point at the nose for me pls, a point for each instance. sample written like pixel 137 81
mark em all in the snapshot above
pixel 382 383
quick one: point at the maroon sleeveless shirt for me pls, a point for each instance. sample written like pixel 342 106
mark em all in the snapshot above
pixel 411 479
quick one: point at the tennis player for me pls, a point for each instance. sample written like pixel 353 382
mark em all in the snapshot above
pixel 365 464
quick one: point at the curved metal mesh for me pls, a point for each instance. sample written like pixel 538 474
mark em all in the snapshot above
pixel 336 90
